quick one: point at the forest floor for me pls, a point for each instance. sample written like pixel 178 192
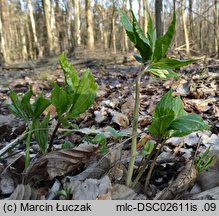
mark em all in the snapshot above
pixel 80 171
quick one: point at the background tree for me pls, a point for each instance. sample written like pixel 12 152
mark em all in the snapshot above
pixel 89 22
pixel 158 16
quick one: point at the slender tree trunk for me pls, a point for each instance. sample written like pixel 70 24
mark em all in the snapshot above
pixel 186 36
pixel 37 49
pixel 3 34
pixel 77 33
pixel 3 54
pixel 112 41
pixel 69 13
pixel 145 16
pixel 47 11
pixel 125 47
pixel 23 39
pixel 89 22
pixel 158 17
pixel 190 18
pixel 216 28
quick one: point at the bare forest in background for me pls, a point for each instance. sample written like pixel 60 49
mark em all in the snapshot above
pixel 33 29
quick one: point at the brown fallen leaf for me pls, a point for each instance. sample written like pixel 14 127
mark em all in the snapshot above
pixel 59 163
pixel 181 184
pixel 23 192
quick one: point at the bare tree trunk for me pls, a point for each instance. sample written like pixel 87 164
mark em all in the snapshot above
pixel 158 16
pixel 3 18
pixel 216 28
pixel 186 36
pixel 23 39
pixel 145 16
pixel 125 46
pixel 77 33
pixel 69 13
pixel 37 49
pixel 47 11
pixel 112 40
pixel 89 21
pixel 3 54
pixel 190 18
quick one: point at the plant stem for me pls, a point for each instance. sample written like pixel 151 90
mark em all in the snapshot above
pixel 53 137
pixel 134 131
pixel 134 128
pixel 145 166
pixel 27 155
pixel 152 166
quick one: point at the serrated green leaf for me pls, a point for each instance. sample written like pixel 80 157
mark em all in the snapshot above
pixel 171 63
pixel 162 43
pixel 39 106
pixel 59 98
pixel 41 133
pixel 187 124
pixel 84 96
pixel 71 76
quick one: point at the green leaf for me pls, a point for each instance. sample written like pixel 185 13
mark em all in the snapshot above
pixel 41 133
pixel 167 110
pixel 137 57
pixel 39 106
pixel 59 98
pixel 171 63
pixel 162 43
pixel 163 73
pixel 71 76
pixel 187 124
pixel 151 33
pixel 16 107
pixel 128 26
pixel 160 125
pixel 117 134
pixel 25 102
pixel 148 148
pixel 141 42
pixel 84 96
pixel 137 36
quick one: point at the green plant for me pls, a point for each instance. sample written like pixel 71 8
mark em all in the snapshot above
pixel 74 98
pixel 66 192
pixel 169 120
pixel 203 162
pixel 117 134
pixel 152 52
pixel 147 148
pixel 30 113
